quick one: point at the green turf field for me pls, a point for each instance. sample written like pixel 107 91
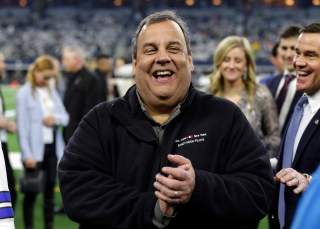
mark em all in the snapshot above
pixel 61 221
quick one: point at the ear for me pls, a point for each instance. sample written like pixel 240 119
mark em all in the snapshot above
pixel 190 60
pixel 134 63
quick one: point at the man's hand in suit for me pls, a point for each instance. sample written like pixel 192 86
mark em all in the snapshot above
pixel 292 178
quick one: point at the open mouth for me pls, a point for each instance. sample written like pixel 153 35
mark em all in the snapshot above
pixel 302 74
pixel 162 73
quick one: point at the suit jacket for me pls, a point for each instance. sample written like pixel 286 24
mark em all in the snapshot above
pixel 306 160
pixel 273 85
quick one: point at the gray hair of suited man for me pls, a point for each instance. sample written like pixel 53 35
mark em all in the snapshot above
pixel 311 28
pixel 166 15
pixel 75 49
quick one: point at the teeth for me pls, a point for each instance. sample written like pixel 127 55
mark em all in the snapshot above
pixel 302 73
pixel 163 73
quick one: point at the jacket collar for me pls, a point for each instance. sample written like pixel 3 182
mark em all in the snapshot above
pixel 127 110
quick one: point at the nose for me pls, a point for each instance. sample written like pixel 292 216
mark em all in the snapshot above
pixel 162 57
pixel 298 61
pixel 231 64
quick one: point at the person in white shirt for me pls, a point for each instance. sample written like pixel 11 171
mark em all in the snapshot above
pixel 6 211
pixel 6 126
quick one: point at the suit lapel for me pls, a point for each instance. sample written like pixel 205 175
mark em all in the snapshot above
pixel 306 137
pixel 274 85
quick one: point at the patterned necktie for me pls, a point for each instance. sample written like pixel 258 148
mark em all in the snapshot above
pixel 283 92
pixel 288 151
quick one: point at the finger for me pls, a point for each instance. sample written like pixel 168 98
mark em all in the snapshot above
pixel 300 188
pixel 160 196
pixel 177 173
pixel 178 159
pixel 170 193
pixel 293 182
pixel 303 184
pixel 282 172
pixel 288 177
pixel 169 182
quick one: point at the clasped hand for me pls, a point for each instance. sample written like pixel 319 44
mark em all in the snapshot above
pixel 176 184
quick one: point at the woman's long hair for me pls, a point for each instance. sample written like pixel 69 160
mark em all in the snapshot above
pixel 42 63
pixel 249 78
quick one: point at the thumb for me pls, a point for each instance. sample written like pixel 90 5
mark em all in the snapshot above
pixel 179 160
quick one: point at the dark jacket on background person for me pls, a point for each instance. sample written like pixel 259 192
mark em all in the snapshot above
pixel 82 94
pixel 108 168
pixel 306 160
pixel 103 85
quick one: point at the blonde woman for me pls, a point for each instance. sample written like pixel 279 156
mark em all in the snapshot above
pixel 39 114
pixel 234 78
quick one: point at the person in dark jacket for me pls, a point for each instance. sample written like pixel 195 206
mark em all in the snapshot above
pixel 283 86
pixel 299 153
pixel 165 154
pixel 82 89
pixel 107 83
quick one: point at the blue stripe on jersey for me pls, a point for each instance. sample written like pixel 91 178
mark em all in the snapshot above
pixel 5 197
pixel 6 212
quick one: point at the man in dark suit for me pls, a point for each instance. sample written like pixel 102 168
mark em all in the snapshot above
pixel 283 86
pixel 277 62
pixel 301 146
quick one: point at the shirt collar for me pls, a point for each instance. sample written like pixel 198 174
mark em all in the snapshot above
pixel 314 101
pixel 286 72
pixel 176 111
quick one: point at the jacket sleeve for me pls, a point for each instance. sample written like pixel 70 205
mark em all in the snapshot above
pixel 6 211
pixel 270 123
pixel 91 193
pixel 245 188
pixel 60 114
pixel 23 123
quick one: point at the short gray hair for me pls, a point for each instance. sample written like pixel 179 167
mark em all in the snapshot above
pixel 166 15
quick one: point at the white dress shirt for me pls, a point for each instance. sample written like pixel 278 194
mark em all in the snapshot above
pixel 47 106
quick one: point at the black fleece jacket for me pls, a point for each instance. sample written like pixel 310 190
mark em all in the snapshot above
pixel 109 166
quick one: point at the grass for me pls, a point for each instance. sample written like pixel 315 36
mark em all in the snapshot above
pixel 60 221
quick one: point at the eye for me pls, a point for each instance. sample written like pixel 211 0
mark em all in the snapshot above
pixel 174 48
pixel 149 50
pixel 226 59
pixel 238 60
pixel 312 56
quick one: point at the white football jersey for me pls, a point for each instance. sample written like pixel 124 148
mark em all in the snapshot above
pixel 6 211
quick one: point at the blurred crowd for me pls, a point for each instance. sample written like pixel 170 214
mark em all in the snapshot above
pixel 97 30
